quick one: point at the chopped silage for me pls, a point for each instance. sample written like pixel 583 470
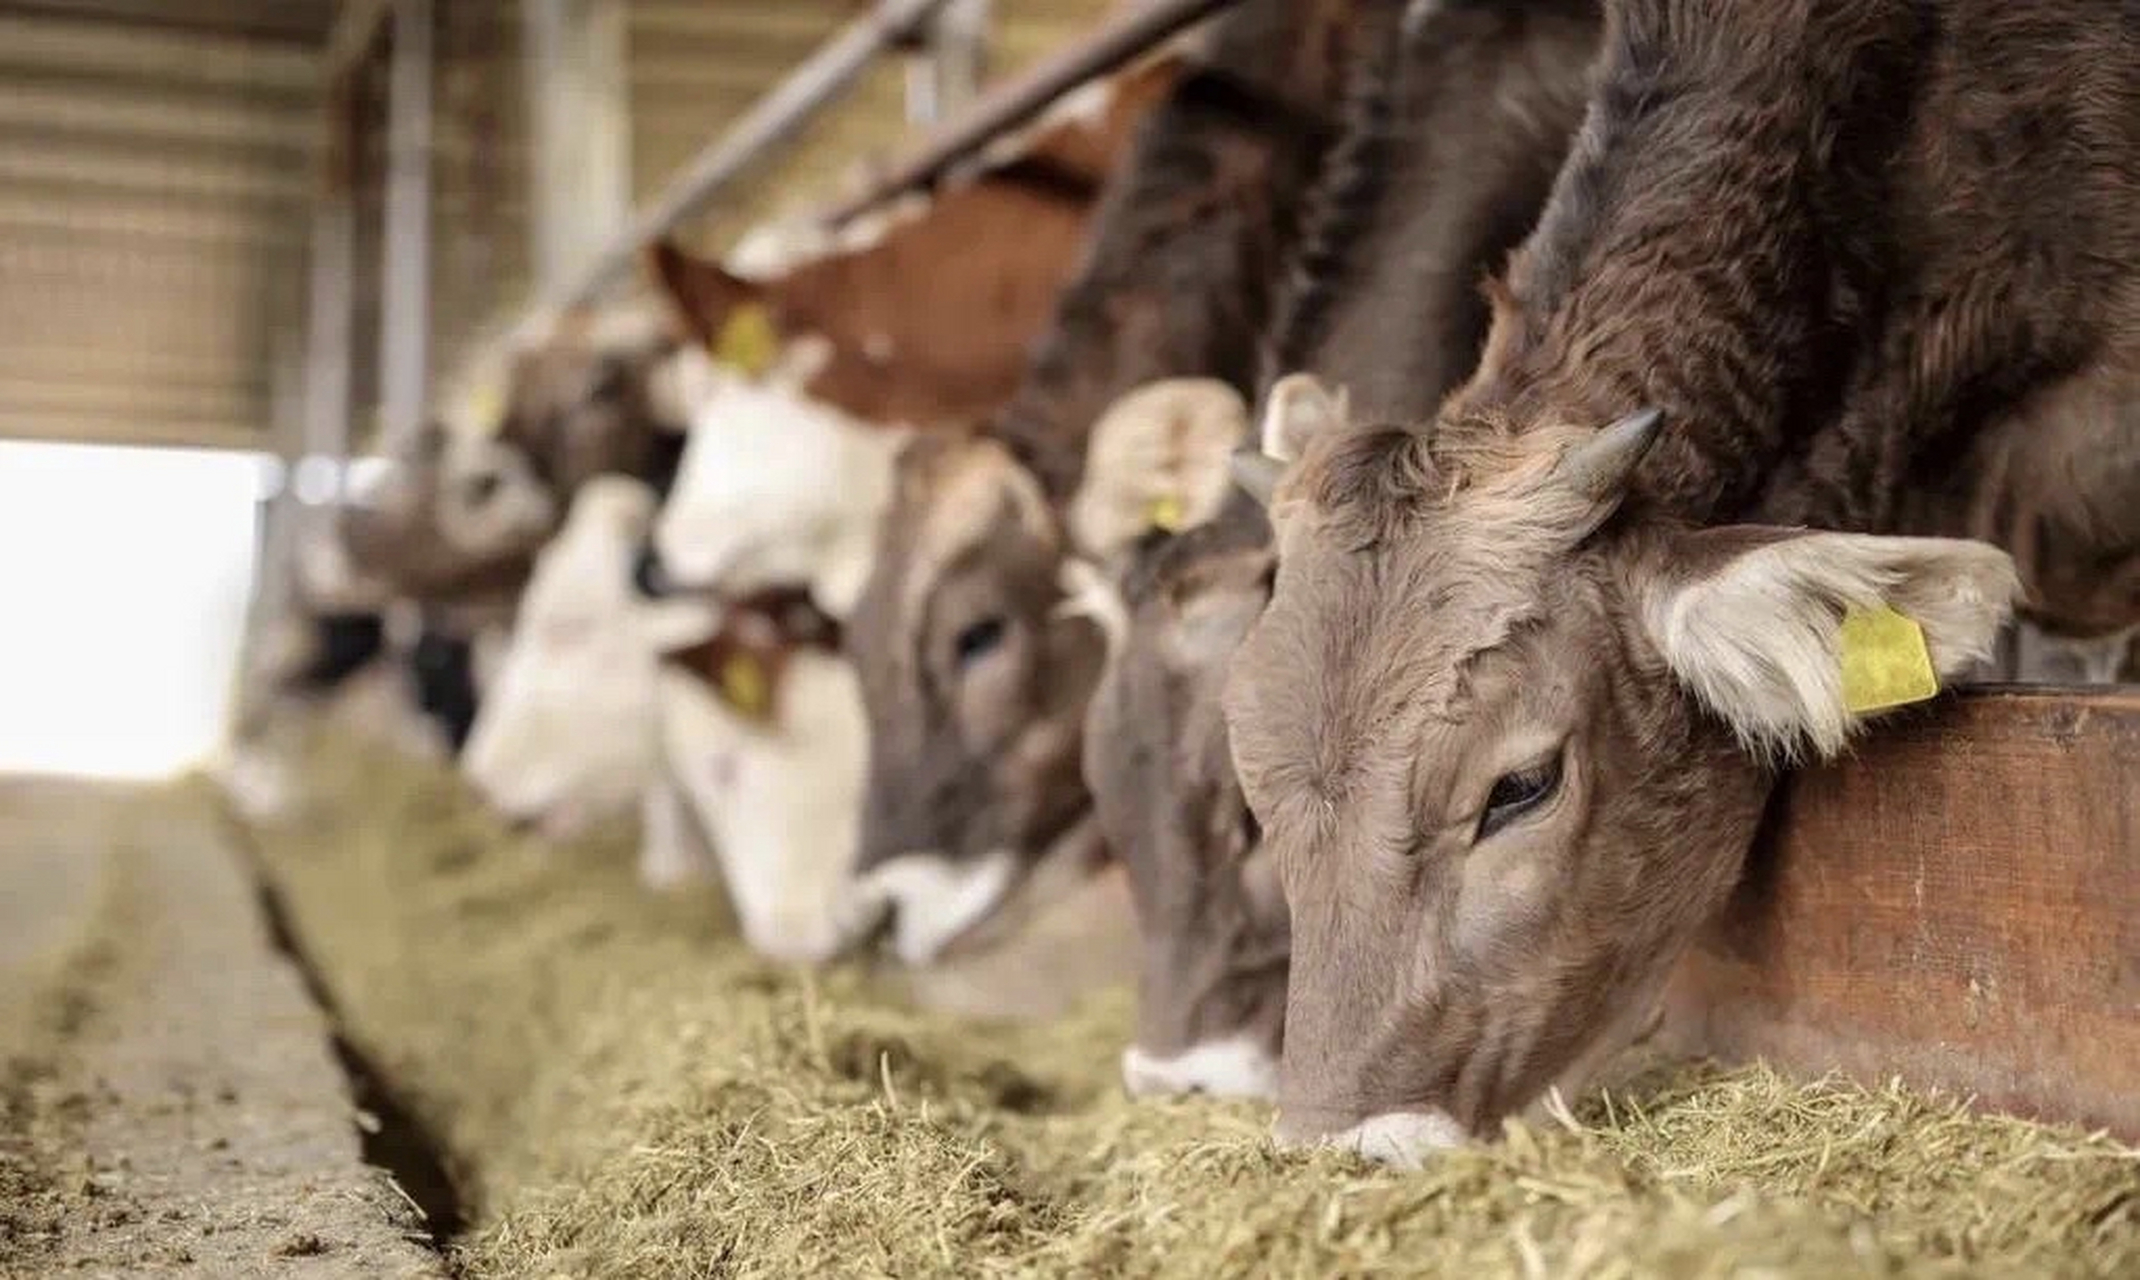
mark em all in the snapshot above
pixel 621 1089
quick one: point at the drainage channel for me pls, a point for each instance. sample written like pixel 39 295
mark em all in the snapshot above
pixel 394 1139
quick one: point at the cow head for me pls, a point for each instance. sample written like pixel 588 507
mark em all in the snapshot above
pixel 1508 742
pixel 761 728
pixel 778 484
pixel 567 732
pixel 405 534
pixel 1188 572
pixel 975 677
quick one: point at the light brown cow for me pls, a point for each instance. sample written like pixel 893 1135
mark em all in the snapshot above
pixel 1525 681
pixel 1449 153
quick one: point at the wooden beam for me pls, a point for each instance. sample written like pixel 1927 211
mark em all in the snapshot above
pixel 1957 904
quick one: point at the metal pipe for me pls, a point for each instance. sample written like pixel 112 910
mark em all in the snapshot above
pixel 823 76
pixel 405 246
pixel 331 298
pixel 1017 102
pixel 578 104
pixel 944 76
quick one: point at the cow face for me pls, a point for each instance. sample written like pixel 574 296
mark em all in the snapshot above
pixel 975 680
pixel 567 733
pixel 1186 581
pixel 776 488
pixel 761 728
pixel 490 502
pixel 1509 749
pixel 597 395
pixel 412 537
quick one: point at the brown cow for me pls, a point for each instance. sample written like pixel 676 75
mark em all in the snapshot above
pixel 1522 689
pixel 976 682
pixel 1448 157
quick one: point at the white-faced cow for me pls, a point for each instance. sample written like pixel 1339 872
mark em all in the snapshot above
pixel 568 733
pixel 1528 670
pixel 1452 139
pixel 975 673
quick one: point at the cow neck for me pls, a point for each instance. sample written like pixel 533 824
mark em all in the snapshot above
pixel 1450 143
pixel 990 257
pixel 1179 278
pixel 1739 332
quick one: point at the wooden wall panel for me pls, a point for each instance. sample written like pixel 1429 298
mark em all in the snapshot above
pixel 1958 903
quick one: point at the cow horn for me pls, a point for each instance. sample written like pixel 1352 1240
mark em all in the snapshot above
pixel 1256 472
pixel 1598 468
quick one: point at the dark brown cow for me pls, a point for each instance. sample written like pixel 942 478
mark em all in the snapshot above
pixel 1520 693
pixel 1449 154
pixel 976 684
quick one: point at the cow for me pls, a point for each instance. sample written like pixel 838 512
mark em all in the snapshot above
pixel 569 734
pixel 830 362
pixel 465 505
pixel 1530 669
pixel 1451 144
pixel 975 676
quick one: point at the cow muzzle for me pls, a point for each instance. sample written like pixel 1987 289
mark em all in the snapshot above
pixel 1399 1139
pixel 926 902
pixel 1237 1067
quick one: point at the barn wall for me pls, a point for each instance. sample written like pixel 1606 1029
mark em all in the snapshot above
pixel 157 158
pixel 152 186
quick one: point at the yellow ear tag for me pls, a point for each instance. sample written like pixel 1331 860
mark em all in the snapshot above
pixel 486 406
pixel 748 343
pixel 743 685
pixel 1165 513
pixel 1885 662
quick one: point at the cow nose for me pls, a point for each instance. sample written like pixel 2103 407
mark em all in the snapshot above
pixel 649 577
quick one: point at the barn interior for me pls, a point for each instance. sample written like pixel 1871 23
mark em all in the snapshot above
pixel 282 992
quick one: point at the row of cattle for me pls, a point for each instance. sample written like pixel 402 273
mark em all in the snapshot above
pixel 1398 480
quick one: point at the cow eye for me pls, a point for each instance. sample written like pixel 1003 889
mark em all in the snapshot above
pixel 978 640
pixel 1516 794
pixel 481 488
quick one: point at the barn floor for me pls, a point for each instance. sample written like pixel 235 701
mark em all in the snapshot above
pixel 617 1088
pixel 168 1100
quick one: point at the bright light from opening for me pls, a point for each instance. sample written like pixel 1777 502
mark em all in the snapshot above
pixel 125 574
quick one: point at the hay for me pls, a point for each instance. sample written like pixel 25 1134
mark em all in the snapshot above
pixel 622 1090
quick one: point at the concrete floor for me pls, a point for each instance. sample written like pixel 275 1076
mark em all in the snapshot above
pixel 169 1099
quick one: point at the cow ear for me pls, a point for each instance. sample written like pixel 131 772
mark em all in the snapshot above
pixel 705 295
pixel 1298 408
pixel 1157 462
pixel 1796 637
